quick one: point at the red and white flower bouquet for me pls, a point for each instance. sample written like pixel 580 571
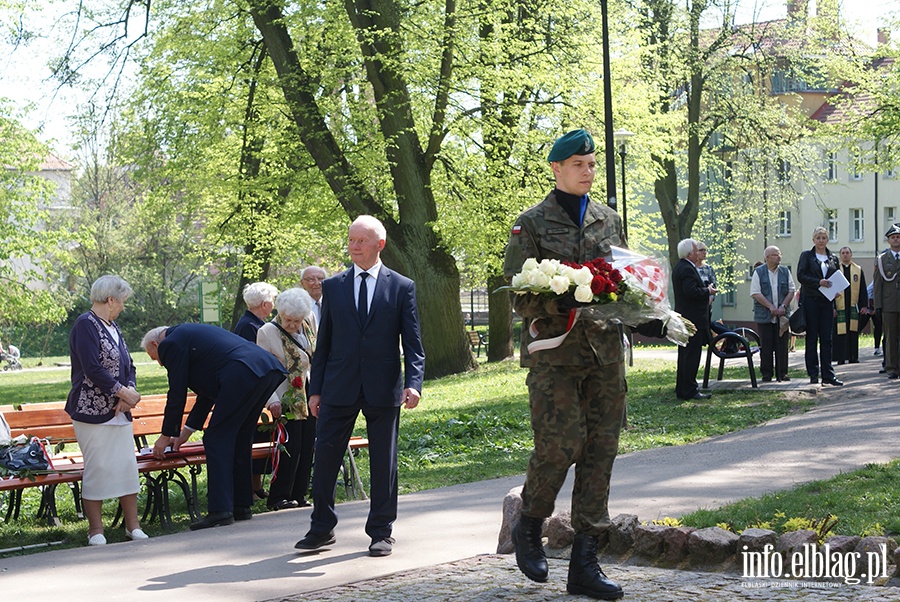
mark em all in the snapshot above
pixel 631 289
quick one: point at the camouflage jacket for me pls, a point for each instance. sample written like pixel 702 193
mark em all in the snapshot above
pixel 545 231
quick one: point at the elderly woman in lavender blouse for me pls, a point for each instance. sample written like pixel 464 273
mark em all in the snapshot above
pixel 100 402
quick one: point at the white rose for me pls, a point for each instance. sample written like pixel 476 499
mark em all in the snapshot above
pixel 530 264
pixel 540 280
pixel 583 294
pixel 583 277
pixel 559 284
pixel 518 280
pixel 549 267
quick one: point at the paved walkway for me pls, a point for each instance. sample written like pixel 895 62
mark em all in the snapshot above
pixel 446 537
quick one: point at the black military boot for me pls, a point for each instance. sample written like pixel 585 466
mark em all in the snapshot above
pixel 530 556
pixel 585 575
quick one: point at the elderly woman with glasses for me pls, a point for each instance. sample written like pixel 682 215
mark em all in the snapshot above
pixel 290 338
pixel 100 402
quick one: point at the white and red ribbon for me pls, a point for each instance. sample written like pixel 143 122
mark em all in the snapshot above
pixel 554 342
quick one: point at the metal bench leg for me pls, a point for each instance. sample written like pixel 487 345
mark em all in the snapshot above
pixel 708 366
pixel 752 369
pixel 359 491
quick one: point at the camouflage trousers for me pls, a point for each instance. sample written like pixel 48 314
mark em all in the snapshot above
pixel 576 415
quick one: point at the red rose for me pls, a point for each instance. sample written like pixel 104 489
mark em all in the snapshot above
pixel 598 284
pixel 297 383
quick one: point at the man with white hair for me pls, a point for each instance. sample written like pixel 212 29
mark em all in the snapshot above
pixel 692 302
pixel 370 312
pixel 233 378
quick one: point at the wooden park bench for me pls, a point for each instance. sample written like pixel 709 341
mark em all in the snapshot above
pixel 49 421
pixel 477 340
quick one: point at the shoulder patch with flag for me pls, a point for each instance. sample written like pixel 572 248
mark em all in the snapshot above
pixel 517 229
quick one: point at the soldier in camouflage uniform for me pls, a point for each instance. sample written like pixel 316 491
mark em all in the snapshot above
pixel 576 390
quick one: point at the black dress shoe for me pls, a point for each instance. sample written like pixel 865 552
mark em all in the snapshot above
pixel 841 363
pixel 283 505
pixel 833 382
pixel 853 362
pixel 213 519
pixel 893 375
pixel 314 541
pixel 303 503
pixel 813 380
pixel 242 513
pixel 784 379
pixel 699 395
pixel 882 371
pixel 767 379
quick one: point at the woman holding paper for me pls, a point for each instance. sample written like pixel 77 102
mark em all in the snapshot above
pixel 814 270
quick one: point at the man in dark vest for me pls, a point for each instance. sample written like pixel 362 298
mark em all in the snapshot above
pixel 772 289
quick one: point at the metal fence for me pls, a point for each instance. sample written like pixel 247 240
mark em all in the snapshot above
pixel 474 304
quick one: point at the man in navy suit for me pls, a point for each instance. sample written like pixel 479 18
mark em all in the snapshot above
pixel 692 302
pixel 368 311
pixel 232 377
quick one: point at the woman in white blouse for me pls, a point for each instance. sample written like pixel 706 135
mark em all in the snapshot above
pixel 291 338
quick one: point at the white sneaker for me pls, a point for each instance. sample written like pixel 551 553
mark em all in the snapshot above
pixel 97 540
pixel 136 534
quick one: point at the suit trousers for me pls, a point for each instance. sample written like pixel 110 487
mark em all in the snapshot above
pixel 819 314
pixel 772 345
pixel 229 437
pixel 333 434
pixel 890 320
pixel 688 363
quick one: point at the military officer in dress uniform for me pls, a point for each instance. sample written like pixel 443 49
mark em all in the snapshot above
pixel 576 390
pixel 887 300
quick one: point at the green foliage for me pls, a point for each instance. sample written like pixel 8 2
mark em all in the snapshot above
pixel 866 501
pixel 27 244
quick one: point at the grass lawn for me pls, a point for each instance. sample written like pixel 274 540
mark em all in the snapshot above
pixel 468 427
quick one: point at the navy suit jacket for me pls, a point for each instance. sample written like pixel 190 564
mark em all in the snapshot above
pixel 351 357
pixel 195 355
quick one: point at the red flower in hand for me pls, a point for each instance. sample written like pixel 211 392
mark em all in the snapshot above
pixel 297 383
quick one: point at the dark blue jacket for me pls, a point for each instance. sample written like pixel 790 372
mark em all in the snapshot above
pixel 352 357
pixel 195 355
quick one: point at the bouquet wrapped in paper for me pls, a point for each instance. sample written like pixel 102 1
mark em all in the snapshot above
pixel 631 289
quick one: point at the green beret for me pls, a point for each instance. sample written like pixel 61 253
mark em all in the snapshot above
pixel 576 142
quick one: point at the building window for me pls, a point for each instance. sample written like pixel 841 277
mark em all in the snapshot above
pixel 831 224
pixel 890 215
pixel 857 225
pixel 889 174
pixel 784 171
pixel 855 168
pixel 831 166
pixel 784 223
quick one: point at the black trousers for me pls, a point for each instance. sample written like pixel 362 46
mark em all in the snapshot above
pixel 291 481
pixel 333 434
pixel 819 314
pixel 688 363
pixel 773 346
pixel 229 437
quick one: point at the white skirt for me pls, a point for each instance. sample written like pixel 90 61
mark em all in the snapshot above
pixel 110 465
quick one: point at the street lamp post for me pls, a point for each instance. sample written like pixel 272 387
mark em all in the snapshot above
pixel 621 137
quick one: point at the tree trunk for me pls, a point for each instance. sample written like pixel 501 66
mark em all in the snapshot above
pixel 413 248
pixel 500 321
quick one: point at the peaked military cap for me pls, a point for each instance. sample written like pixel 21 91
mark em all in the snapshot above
pixel 895 229
pixel 576 142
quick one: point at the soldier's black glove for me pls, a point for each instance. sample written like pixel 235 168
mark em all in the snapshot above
pixel 653 328
pixel 567 302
